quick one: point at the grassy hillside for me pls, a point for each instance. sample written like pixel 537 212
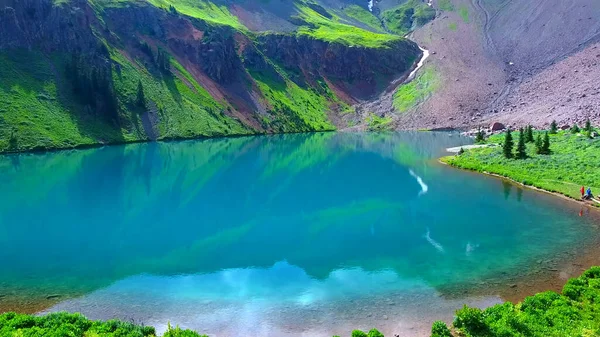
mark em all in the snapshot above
pixel 187 61
pixel 362 15
pixel 294 108
pixel 406 17
pixel 42 111
pixel 333 30
pixel 204 10
pixel 38 107
pixel 410 95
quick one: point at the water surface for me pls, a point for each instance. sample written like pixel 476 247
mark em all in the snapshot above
pixel 289 235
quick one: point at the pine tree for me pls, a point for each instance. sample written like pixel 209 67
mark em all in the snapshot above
pixel 546 144
pixel 521 148
pixel 480 136
pixel 163 61
pixel 141 98
pixel 529 135
pixel 575 129
pixel 539 144
pixel 553 128
pixel 588 126
pixel 507 148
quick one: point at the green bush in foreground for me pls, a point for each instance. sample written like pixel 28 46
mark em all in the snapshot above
pixel 64 324
pixel 574 313
pixel 440 329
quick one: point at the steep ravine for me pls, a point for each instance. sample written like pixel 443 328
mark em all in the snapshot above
pixel 382 106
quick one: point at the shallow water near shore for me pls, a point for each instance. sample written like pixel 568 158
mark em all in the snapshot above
pixel 287 235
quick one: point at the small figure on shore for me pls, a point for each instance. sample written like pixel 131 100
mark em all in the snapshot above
pixel 582 191
pixel 588 194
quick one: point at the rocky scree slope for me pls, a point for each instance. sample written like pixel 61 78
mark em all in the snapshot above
pixel 79 72
pixel 515 62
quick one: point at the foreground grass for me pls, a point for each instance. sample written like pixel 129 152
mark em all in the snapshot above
pixel 76 325
pixel 572 164
pixel 575 312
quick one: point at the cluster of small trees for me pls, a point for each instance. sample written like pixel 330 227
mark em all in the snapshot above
pixel 542 146
pixel 93 86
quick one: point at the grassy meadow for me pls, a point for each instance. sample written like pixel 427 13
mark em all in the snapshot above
pixel 574 162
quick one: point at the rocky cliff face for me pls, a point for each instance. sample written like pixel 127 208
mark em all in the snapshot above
pixel 39 24
pixel 338 62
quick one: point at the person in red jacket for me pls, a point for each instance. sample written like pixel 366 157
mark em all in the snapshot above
pixel 582 191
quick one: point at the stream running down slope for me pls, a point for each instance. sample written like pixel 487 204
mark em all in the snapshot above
pixel 383 105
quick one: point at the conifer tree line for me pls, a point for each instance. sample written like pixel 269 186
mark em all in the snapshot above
pixel 93 86
pixel 542 145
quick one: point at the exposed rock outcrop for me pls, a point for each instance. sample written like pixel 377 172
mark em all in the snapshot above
pixel 371 69
pixel 36 24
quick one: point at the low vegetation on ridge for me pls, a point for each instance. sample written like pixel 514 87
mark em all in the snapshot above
pixel 407 16
pixel 362 15
pixel 333 30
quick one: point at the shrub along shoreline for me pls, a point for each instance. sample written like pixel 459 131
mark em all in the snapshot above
pixel 574 312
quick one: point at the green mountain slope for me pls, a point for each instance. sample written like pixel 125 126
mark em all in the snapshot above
pixel 85 72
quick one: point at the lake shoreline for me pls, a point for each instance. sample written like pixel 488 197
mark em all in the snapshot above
pixel 546 278
pixel 98 145
pixel 580 202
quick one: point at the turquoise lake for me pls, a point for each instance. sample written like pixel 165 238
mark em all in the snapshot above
pixel 285 235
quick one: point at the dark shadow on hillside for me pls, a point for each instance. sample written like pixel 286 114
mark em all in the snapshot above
pixel 33 72
pixel 169 81
pixel 89 123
